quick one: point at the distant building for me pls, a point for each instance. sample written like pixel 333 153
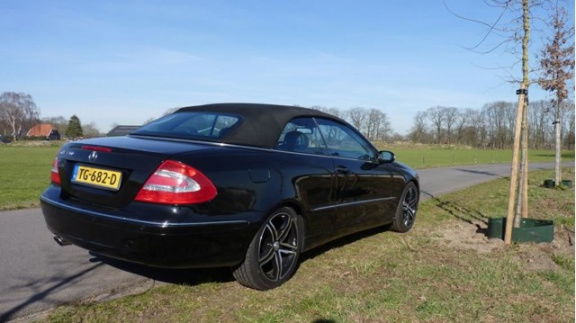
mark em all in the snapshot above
pixel 45 130
pixel 121 131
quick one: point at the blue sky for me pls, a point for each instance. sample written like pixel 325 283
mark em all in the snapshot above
pixel 127 61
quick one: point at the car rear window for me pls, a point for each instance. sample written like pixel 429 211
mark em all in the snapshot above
pixel 190 125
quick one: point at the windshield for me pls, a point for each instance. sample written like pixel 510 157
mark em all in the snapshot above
pixel 190 125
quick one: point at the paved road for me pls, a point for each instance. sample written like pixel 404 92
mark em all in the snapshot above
pixel 36 274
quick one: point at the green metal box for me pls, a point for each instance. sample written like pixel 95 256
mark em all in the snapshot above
pixel 530 230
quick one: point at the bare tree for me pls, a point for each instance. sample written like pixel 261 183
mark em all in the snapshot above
pixel 333 111
pixel 4 127
pixel 497 115
pixel 514 31
pixel 419 131
pixel 396 137
pixel 372 123
pixel 557 65
pixel 18 111
pixel 377 125
pixel 436 116
pixel 383 128
pixel 537 117
pixel 358 117
pixel 518 197
pixel 460 123
pixel 479 126
pixel 90 130
pixel 493 125
pixel 450 117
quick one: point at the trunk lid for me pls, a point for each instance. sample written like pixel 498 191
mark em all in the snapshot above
pixel 135 158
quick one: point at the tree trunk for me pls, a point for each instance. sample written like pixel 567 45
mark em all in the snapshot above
pixel 519 119
pixel 14 131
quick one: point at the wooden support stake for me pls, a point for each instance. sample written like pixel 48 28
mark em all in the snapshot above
pixel 515 163
pixel 524 206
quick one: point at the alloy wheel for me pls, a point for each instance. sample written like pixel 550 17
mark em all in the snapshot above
pixel 278 246
pixel 409 206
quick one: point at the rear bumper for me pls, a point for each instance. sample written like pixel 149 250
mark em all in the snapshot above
pixel 162 244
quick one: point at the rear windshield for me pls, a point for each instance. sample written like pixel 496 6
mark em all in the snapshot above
pixel 190 125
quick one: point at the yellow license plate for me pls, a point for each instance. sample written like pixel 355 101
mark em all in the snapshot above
pixel 98 177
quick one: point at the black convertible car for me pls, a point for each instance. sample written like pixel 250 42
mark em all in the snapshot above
pixel 247 186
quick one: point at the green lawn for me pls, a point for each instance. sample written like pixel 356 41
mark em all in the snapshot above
pixel 24 173
pixel 443 270
pixel 25 170
pixel 426 156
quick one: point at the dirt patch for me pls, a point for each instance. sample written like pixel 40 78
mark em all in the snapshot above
pixel 468 236
pixel 471 236
pixel 564 240
pixel 536 258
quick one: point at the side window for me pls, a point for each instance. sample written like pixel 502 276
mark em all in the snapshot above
pixel 301 135
pixel 344 142
pixel 223 124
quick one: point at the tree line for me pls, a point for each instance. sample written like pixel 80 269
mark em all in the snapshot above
pixel 372 123
pixel 492 126
pixel 19 113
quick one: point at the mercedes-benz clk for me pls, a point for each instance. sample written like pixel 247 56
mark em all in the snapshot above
pixel 245 186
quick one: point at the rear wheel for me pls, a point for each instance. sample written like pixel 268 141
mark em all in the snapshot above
pixel 406 211
pixel 272 257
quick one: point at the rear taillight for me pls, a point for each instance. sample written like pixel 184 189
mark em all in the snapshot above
pixel 54 175
pixel 177 183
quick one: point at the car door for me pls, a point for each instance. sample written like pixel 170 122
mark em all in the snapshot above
pixel 311 174
pixel 367 190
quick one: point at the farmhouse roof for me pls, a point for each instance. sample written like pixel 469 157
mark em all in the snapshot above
pixel 40 130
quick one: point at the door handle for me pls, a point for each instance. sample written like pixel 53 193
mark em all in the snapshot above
pixel 342 169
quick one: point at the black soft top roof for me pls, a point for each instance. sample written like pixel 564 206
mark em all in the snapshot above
pixel 261 124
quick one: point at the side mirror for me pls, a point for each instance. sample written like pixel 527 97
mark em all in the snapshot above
pixel 386 156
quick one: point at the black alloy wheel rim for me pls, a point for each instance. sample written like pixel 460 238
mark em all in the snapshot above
pixel 409 206
pixel 278 247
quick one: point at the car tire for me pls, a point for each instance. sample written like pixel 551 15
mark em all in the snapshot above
pixel 407 208
pixel 272 257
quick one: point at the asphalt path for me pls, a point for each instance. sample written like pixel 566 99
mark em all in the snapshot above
pixel 36 274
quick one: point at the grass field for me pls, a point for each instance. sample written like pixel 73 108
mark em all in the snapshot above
pixel 25 170
pixel 426 156
pixel 24 173
pixel 443 270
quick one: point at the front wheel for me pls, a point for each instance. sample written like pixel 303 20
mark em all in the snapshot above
pixel 272 257
pixel 407 207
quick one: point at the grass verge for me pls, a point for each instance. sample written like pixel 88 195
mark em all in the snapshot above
pixel 443 270
pixel 426 156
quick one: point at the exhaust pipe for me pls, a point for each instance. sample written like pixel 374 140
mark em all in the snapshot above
pixel 61 242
